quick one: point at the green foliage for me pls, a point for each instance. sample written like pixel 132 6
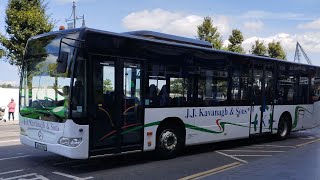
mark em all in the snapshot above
pixel 7 86
pixel 224 48
pixel 107 85
pixel 24 19
pixel 177 87
pixel 259 48
pixel 2 53
pixel 207 32
pixel 236 39
pixel 275 50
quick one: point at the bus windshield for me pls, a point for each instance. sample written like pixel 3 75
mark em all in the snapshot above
pixel 44 92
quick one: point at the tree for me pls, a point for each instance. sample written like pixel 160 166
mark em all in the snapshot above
pixel 7 86
pixel 275 50
pixel 107 85
pixel 24 19
pixel 2 53
pixel 236 39
pixel 178 87
pixel 207 32
pixel 259 48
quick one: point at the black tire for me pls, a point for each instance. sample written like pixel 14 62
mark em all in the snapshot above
pixel 170 141
pixel 284 127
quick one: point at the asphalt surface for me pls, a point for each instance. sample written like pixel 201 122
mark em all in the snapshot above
pixel 297 157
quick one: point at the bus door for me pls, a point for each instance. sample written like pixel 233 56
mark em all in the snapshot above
pixel 132 106
pixel 262 94
pixel 117 125
pixel 104 128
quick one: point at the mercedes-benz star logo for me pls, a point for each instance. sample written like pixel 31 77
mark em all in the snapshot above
pixel 40 135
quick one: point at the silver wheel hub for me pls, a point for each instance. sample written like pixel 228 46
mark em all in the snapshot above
pixel 168 140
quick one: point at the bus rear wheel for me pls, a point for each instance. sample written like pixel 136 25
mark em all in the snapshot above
pixel 284 128
pixel 170 142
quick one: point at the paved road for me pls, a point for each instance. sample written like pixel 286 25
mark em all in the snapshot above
pixel 259 158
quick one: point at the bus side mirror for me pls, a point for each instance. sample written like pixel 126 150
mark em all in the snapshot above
pixel 62 62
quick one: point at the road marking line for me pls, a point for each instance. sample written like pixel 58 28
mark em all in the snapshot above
pixel 16 140
pixel 16 157
pixel 9 172
pixel 70 176
pixel 250 155
pixel 310 142
pixel 307 137
pixel 217 172
pixel 241 150
pixel 246 162
pixel 212 171
pixel 34 176
pixel 269 145
pixel 21 176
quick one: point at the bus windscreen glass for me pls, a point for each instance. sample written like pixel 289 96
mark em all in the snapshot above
pixel 44 93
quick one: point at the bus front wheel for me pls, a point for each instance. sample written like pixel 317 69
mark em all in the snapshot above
pixel 169 142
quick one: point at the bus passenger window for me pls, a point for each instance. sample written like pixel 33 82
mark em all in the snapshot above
pixel 156 80
pixel 286 87
pixel 303 90
pixel 315 87
pixel 178 91
pixel 213 87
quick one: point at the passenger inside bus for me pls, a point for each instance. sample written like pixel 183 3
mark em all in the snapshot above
pixel 164 96
pixel 153 94
pixel 153 91
pixel 65 95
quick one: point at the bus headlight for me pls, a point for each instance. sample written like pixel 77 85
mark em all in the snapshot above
pixel 72 142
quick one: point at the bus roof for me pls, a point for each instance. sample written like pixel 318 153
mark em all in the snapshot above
pixel 67 31
pixel 168 39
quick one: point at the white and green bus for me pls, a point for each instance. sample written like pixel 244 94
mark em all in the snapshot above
pixel 86 92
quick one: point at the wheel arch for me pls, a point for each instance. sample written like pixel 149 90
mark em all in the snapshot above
pixel 288 115
pixel 175 122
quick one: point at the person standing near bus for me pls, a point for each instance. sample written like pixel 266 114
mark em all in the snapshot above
pixel 12 108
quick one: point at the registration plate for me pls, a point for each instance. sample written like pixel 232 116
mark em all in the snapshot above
pixel 40 146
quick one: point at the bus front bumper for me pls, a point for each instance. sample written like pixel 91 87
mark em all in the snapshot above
pixel 79 152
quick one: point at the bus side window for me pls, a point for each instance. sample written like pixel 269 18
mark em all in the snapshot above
pixel 240 82
pixel 315 86
pixel 213 87
pixel 286 86
pixel 156 79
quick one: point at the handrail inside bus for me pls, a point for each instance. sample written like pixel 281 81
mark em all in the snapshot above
pixel 112 124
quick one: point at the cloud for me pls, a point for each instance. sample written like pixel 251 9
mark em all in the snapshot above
pixel 177 23
pixel 275 15
pixel 253 25
pixel 222 22
pixel 311 25
pixel 310 41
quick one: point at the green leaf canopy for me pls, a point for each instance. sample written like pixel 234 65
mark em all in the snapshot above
pixel 24 19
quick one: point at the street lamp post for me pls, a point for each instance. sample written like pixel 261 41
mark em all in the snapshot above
pixel 74 17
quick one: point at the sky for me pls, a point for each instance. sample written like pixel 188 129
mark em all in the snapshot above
pixel 287 21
